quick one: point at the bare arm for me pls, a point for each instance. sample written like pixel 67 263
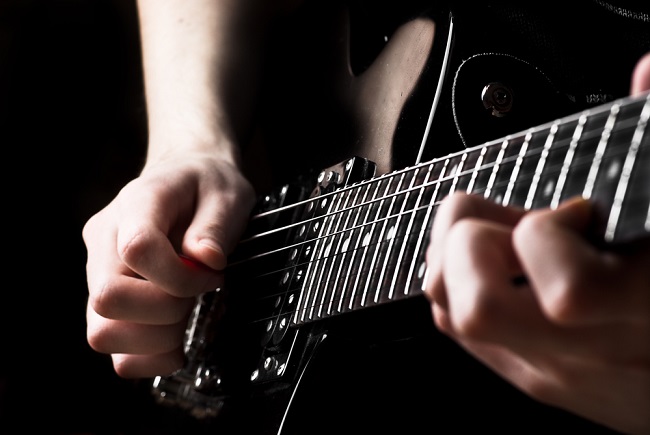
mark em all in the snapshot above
pixel 201 62
pixel 191 200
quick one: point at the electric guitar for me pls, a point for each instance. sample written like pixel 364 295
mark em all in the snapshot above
pixel 341 251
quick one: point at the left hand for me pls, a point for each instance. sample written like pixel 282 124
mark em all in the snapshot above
pixel 527 294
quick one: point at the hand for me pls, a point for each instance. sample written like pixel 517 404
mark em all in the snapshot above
pixel 527 294
pixel 140 288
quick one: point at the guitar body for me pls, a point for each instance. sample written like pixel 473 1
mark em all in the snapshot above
pixel 395 89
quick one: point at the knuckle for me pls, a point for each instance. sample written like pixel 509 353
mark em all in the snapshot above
pixel 97 339
pixel 105 299
pixel 564 304
pixel 122 366
pixel 530 226
pixel 478 320
pixel 133 248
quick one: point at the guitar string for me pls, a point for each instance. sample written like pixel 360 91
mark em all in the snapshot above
pixel 614 150
pixel 331 257
pixel 591 113
pixel 586 158
pixel 582 160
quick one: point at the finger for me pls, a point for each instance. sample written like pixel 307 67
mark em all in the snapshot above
pixel 218 223
pixel 144 246
pixel 530 335
pixel 503 361
pixel 453 209
pixel 484 299
pixel 561 376
pixel 575 282
pixel 146 366
pixel 582 387
pixel 117 292
pixel 641 76
pixel 114 336
pixel 137 300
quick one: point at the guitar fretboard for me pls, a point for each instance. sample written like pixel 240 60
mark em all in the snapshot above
pixel 365 244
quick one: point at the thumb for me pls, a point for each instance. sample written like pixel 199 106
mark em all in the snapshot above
pixel 215 230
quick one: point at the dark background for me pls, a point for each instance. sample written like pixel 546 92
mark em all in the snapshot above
pixel 72 133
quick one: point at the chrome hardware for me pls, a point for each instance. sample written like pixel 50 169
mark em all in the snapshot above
pixel 497 98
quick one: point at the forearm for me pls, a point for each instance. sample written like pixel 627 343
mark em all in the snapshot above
pixel 201 61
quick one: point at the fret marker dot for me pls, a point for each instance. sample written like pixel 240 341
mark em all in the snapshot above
pixel 422 269
pixel 391 233
pixel 366 239
pixel 549 188
pixel 327 250
pixel 613 170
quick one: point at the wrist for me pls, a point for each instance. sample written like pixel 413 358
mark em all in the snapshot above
pixel 182 143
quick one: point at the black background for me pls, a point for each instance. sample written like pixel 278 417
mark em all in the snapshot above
pixel 72 133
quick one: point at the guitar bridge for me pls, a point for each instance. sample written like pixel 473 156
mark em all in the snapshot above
pixel 197 386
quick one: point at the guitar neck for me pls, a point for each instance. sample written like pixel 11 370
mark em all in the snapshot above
pixel 365 244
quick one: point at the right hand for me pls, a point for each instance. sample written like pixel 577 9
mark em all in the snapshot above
pixel 141 288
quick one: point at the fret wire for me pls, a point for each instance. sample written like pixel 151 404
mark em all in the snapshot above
pixel 600 151
pixel 495 169
pixel 436 184
pixel 365 247
pixel 420 238
pixel 305 292
pixel 568 158
pixel 428 208
pixel 437 181
pixel 337 250
pixel 596 162
pixel 307 285
pixel 434 195
pixel 359 239
pixel 327 251
pixel 354 251
pixel 456 172
pixel 477 168
pixel 540 166
pixel 376 252
pixel 343 249
pixel 624 179
pixel 391 238
pixel 319 244
pixel 400 255
pixel 515 171
pixel 482 146
pixel 487 166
